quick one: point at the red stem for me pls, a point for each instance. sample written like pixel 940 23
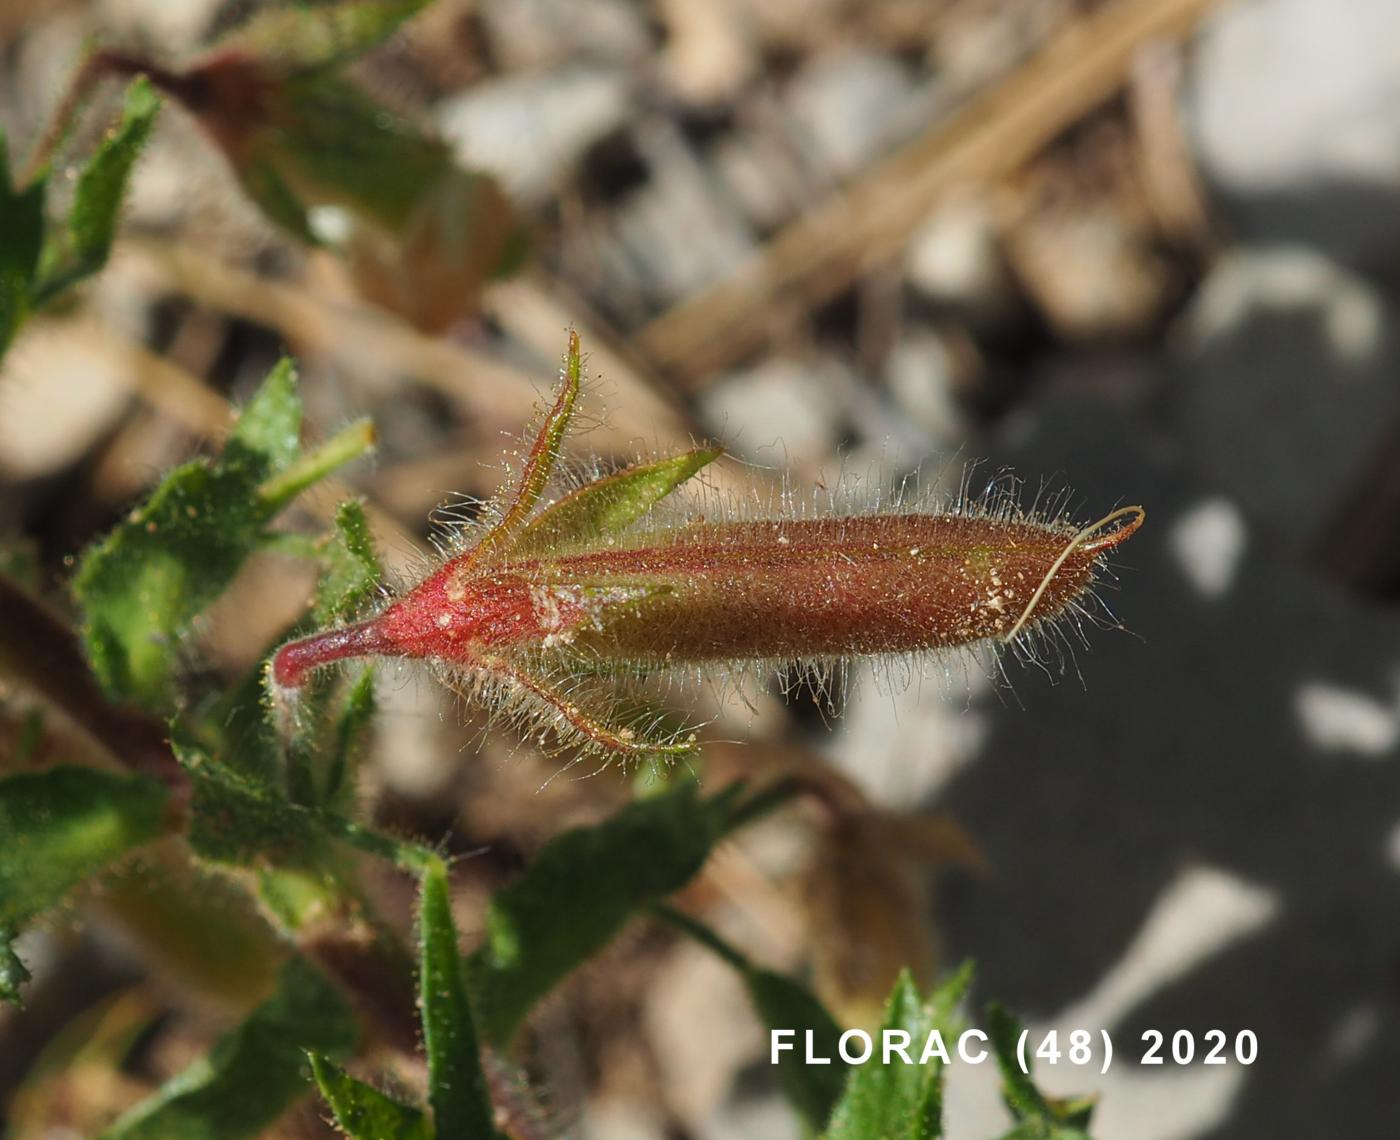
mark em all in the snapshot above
pixel 96 66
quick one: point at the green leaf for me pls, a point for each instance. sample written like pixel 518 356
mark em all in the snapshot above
pixel 324 160
pixel 456 1084
pixel 295 898
pixel 1037 1116
pixel 1022 1097
pixel 237 819
pixel 21 239
pixel 82 246
pixel 243 727
pixel 59 827
pixel 174 556
pixel 1039 1130
pixel 580 890
pixel 363 1112
pixel 352 571
pixel 334 145
pixel 141 588
pixel 267 436
pixel 323 734
pixel 782 1003
pixel 301 39
pixel 13 975
pixel 194 927
pixel 351 727
pixel 264 184
pixel 607 506
pixel 237 728
pixel 255 1072
pixel 899 1101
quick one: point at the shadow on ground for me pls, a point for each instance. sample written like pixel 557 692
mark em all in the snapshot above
pixel 1186 748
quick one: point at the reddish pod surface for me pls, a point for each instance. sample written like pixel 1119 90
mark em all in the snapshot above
pixel 569 591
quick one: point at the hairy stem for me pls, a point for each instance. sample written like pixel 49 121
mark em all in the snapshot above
pixel 311 468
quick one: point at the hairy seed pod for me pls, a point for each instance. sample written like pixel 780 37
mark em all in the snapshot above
pixel 550 601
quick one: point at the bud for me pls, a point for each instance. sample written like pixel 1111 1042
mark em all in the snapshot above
pixel 550 606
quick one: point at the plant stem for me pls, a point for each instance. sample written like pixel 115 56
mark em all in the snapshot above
pixel 95 66
pixel 40 652
pixel 349 444
pixel 769 799
pixel 700 933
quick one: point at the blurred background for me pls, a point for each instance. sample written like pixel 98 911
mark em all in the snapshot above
pixel 1148 250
